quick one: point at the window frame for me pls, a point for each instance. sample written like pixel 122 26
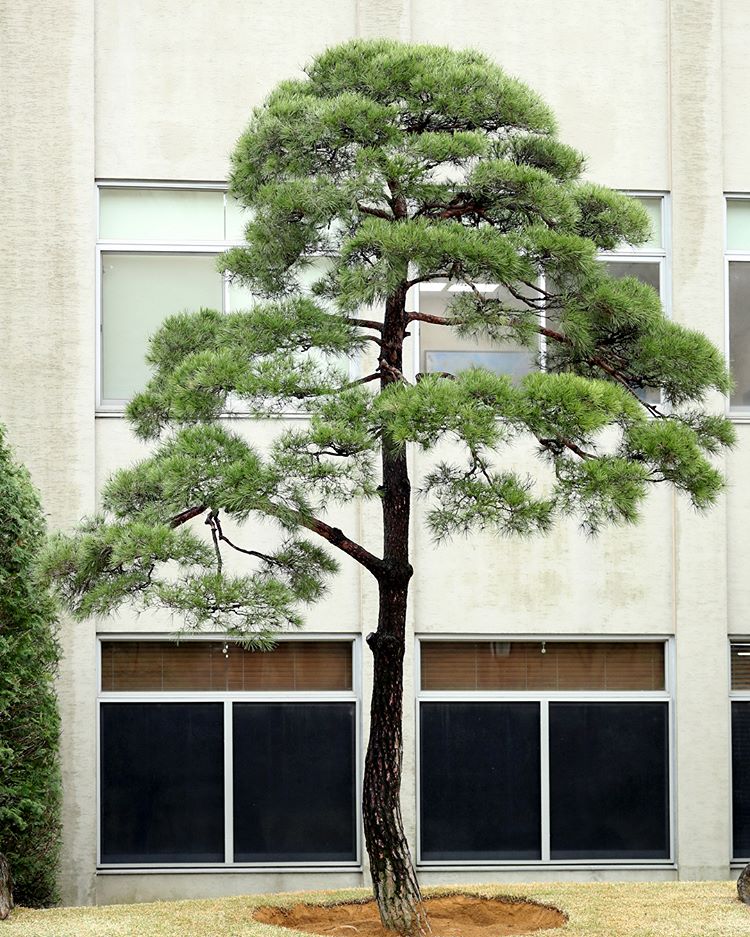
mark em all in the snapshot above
pixel 227 699
pixel 735 696
pixel 112 407
pixel 544 698
pixel 737 414
pixel 660 255
pixel 116 406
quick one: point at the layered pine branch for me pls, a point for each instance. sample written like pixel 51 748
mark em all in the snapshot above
pixel 397 165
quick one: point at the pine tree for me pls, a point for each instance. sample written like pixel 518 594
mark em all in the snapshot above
pixel 29 721
pixel 399 165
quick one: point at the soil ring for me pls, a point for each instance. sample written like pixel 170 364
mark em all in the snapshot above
pixel 449 915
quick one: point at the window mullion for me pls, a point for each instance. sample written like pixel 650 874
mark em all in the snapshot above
pixel 228 783
pixel 544 777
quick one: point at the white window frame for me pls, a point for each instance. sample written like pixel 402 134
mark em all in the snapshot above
pixel 648 254
pixel 738 414
pixel 660 255
pixel 116 407
pixel 735 696
pixel 544 698
pixel 227 699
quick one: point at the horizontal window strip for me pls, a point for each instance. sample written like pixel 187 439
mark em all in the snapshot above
pixel 542 665
pixel 741 666
pixel 164 666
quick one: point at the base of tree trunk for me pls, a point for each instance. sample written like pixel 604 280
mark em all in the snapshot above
pixel 400 905
pixel 743 885
pixel 6 889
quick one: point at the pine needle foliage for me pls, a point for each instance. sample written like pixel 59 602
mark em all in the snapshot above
pixel 398 165
pixel 29 722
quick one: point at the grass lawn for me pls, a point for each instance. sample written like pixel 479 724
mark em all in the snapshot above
pixel 684 909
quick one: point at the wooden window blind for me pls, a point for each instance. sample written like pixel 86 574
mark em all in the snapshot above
pixel 136 666
pixel 741 666
pixel 536 665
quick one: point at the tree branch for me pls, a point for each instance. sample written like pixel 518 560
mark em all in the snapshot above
pixel 187 515
pixel 365 380
pixel 375 212
pixel 364 323
pixel 433 320
pixel 221 535
pixel 212 521
pixel 338 539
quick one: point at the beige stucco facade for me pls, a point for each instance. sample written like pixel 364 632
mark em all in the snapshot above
pixel 159 90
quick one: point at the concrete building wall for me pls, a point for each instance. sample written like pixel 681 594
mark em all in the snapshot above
pixel 160 91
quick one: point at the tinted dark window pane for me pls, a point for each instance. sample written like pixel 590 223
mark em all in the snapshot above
pixel 480 781
pixel 609 780
pixel 162 782
pixel 741 779
pixel 294 782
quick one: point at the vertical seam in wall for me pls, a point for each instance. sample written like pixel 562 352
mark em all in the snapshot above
pixel 669 109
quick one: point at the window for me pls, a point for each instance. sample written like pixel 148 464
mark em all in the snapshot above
pixel 546 751
pixel 738 300
pixel 214 755
pixel 740 695
pixel 156 253
pixel 440 349
pixel 157 250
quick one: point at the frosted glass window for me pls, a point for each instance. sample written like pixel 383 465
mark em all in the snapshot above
pixel 653 210
pixel 237 217
pixel 738 224
pixel 444 350
pixel 161 214
pixel 139 291
pixel 240 297
pixel 739 332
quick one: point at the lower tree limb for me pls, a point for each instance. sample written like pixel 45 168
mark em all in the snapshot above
pixel 394 879
pixel 6 889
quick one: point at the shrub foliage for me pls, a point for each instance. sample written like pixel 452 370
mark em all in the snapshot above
pixel 29 721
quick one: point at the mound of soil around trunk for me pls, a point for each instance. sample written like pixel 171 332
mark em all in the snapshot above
pixel 449 916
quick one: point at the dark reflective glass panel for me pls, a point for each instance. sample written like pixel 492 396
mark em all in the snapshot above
pixel 294 782
pixel 609 780
pixel 162 782
pixel 480 792
pixel 741 779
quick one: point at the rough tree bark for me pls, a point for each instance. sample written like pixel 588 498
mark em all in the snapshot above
pixel 394 879
pixel 743 885
pixel 6 889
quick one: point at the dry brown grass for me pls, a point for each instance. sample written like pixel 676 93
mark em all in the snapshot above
pixel 675 909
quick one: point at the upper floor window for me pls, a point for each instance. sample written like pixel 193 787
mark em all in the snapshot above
pixel 156 255
pixel 738 297
pixel 441 349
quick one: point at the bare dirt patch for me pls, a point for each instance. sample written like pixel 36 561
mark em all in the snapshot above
pixel 449 915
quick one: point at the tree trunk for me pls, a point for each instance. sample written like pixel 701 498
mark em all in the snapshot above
pixel 6 889
pixel 393 876
pixel 743 885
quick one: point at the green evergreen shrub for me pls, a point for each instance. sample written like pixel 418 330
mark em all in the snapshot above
pixel 29 720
